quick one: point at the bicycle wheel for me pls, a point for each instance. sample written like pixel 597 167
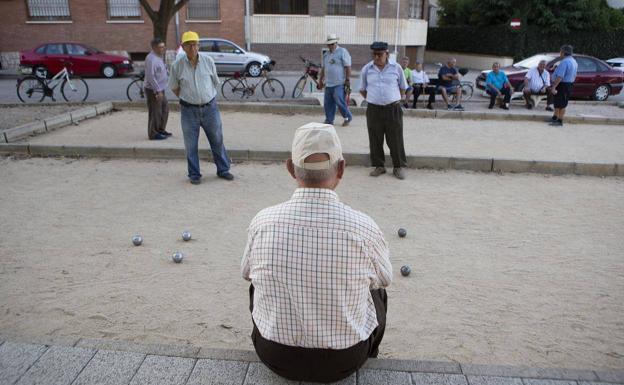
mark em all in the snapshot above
pixel 75 90
pixel 467 91
pixel 30 90
pixel 299 87
pixel 135 90
pixel 233 89
pixel 273 89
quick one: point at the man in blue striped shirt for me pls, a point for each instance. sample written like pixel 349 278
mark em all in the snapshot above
pixel 563 79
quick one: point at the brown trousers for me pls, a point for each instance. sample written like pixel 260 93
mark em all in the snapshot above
pixel 320 365
pixel 158 113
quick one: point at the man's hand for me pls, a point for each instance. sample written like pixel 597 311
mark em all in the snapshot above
pixel 320 84
pixel 159 95
pixel 553 91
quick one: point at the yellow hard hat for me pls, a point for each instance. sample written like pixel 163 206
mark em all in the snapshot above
pixel 189 36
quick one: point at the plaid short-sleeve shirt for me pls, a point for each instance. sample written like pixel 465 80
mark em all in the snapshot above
pixel 312 261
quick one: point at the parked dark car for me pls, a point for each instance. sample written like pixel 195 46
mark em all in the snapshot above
pixel 85 60
pixel 594 79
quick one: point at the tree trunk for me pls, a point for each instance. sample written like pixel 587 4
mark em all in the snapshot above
pixel 160 19
pixel 160 28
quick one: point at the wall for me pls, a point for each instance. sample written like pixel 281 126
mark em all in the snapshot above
pixel 480 62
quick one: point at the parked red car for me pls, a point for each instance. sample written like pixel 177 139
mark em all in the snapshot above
pixel 594 78
pixel 85 60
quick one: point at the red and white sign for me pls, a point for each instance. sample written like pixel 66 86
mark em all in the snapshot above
pixel 515 23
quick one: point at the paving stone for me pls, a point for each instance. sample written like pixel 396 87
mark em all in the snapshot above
pixel 152 349
pixel 104 107
pixel 82 114
pixel 611 375
pixel 535 381
pixel 351 380
pixel 228 354
pixel 594 383
pixel 595 169
pixel 413 366
pixel 518 371
pixel 258 374
pixel 17 133
pixel 380 377
pixel 159 370
pixel 110 368
pixel 438 379
pixel 493 380
pixel 13 148
pixel 474 164
pixel 433 162
pixel 268 155
pixel 218 372
pixel 16 358
pixel 59 365
pixel 172 153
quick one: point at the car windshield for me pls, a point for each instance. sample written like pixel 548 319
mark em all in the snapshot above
pixel 532 61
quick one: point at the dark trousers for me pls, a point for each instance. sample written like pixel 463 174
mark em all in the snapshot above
pixel 386 121
pixel 506 91
pixel 420 89
pixel 157 113
pixel 320 365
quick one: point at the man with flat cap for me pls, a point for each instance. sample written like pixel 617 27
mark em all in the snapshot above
pixel 383 84
pixel 563 80
pixel 318 269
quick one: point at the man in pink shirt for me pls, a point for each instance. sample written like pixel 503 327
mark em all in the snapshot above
pixel 155 83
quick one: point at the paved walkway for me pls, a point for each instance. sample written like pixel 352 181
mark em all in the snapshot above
pixel 96 362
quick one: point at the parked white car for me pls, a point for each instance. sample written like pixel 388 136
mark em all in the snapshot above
pixel 230 58
pixel 616 62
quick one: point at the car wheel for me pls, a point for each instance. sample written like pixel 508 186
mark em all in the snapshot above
pixel 254 69
pixel 108 71
pixel 602 93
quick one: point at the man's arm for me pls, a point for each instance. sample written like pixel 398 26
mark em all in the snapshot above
pixel 363 83
pixel 347 74
pixel 245 267
pixel 321 78
pixel 380 257
pixel 402 84
pixel 174 85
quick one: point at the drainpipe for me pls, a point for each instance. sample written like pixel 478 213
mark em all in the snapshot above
pixel 247 31
pixel 376 28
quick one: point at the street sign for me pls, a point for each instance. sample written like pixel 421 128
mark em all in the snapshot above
pixel 515 23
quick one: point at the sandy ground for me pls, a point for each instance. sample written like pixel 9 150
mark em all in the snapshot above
pixel 436 137
pixel 507 269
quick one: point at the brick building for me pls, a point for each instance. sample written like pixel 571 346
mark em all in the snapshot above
pixel 282 29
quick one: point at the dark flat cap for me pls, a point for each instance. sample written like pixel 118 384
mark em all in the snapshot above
pixel 379 46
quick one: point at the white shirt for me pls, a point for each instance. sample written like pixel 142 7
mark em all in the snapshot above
pixel 419 77
pixel 313 261
pixel 197 85
pixel 537 81
pixel 382 86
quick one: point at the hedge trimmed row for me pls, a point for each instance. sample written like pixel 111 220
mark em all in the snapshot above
pixel 503 41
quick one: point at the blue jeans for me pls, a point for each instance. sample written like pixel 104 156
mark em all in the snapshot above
pixel 335 97
pixel 209 119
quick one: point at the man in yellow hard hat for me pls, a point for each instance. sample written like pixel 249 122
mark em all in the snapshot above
pixel 194 80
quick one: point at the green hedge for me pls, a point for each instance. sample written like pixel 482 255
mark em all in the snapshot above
pixel 503 41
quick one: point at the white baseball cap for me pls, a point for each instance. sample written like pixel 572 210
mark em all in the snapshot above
pixel 316 138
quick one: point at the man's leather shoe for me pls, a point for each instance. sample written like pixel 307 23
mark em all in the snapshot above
pixel 166 133
pixel 195 181
pixel 159 137
pixel 378 171
pixel 226 176
pixel 398 172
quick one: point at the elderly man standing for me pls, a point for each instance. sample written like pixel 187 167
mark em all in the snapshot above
pixel 334 76
pixel 561 88
pixel 194 80
pixel 155 85
pixel 497 85
pixel 383 85
pixel 318 269
pixel 537 82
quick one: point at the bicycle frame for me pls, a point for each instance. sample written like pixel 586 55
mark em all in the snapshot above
pixel 50 85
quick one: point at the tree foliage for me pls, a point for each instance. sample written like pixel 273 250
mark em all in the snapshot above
pixel 553 16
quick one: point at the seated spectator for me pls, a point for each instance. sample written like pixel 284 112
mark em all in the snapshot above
pixel 318 269
pixel 537 82
pixel 497 85
pixel 420 85
pixel 408 77
pixel 448 80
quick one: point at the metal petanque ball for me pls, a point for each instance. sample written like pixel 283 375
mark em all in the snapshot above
pixel 405 270
pixel 186 235
pixel 137 240
pixel 402 232
pixel 177 257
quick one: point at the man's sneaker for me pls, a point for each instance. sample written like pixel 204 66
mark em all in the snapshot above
pixel 458 107
pixel 449 107
pixel 549 108
pixel 429 107
pixel 226 175
pixel 166 133
pixel 505 106
pixel 552 119
pixel 378 171
pixel 195 181
pixel 491 106
pixel 346 122
pixel 556 123
pixel 398 172
pixel 159 137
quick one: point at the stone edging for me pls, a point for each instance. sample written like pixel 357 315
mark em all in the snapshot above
pixel 442 367
pixel 18 133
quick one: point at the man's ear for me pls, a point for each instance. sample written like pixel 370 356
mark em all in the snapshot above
pixel 341 168
pixel 290 166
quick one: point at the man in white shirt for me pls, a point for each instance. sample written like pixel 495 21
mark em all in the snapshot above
pixel 420 84
pixel 318 269
pixel 537 82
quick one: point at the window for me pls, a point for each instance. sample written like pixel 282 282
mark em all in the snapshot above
pixel 586 64
pixel 54 49
pixel 75 49
pixel 48 9
pixel 41 50
pixel 415 9
pixel 341 7
pixel 123 9
pixel 281 7
pixel 203 10
pixel 226 47
pixel 207 46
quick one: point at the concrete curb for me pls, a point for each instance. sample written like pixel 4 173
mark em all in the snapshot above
pixel 397 365
pixel 354 159
pixel 16 134
pixel 296 109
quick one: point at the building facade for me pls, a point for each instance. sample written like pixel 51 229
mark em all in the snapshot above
pixel 282 29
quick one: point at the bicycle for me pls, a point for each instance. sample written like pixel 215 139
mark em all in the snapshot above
pixel 34 88
pixel 238 87
pixel 311 72
pixel 135 90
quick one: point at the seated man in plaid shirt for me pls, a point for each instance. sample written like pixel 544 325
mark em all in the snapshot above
pixel 318 269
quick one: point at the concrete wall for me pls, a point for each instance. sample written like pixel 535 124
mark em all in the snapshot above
pixel 480 62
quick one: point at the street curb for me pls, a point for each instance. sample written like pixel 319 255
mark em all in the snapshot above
pixel 296 109
pixel 413 366
pixel 18 133
pixel 353 159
